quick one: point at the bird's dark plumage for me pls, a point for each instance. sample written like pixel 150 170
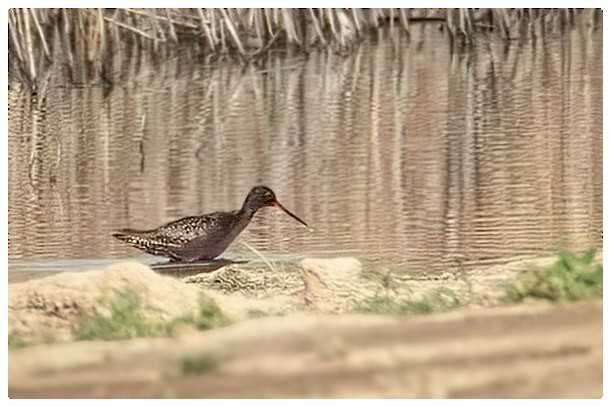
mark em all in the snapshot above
pixel 201 237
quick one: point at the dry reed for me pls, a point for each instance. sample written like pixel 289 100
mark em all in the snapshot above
pixel 87 42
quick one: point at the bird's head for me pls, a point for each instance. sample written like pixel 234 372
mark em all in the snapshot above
pixel 262 196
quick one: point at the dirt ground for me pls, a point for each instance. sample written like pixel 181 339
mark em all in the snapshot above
pixel 549 351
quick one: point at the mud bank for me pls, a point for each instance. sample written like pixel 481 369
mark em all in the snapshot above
pixel 306 340
pixel 47 309
pixel 522 351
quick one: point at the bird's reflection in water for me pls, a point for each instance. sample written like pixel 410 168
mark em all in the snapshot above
pixel 182 270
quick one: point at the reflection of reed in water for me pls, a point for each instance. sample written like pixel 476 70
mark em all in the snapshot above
pixel 400 150
pixel 94 43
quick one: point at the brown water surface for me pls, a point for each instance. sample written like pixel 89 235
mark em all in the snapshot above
pixel 402 153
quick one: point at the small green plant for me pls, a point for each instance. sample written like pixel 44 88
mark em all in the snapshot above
pixel 572 277
pixel 385 277
pixel 436 301
pixel 257 314
pixel 124 319
pixel 199 364
pixel 16 340
pixel 208 316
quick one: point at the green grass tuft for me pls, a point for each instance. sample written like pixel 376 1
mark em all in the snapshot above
pixel 257 314
pixel 16 340
pixel 436 301
pixel 572 277
pixel 123 319
pixel 199 364
pixel 208 316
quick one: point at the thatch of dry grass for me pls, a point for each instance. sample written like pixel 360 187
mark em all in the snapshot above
pixel 91 39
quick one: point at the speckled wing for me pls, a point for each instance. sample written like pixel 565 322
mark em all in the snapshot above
pixel 148 241
pixel 171 239
pixel 208 236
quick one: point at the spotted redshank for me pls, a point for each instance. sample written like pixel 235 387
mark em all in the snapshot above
pixel 204 237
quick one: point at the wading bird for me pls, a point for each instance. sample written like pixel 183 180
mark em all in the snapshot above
pixel 204 237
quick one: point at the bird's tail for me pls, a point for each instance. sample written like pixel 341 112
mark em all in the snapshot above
pixel 134 237
pixel 142 240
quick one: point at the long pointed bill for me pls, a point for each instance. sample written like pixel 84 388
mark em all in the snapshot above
pixel 277 204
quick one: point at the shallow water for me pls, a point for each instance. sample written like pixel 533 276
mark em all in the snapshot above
pixel 403 153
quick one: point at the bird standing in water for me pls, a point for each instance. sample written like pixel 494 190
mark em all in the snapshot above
pixel 201 237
